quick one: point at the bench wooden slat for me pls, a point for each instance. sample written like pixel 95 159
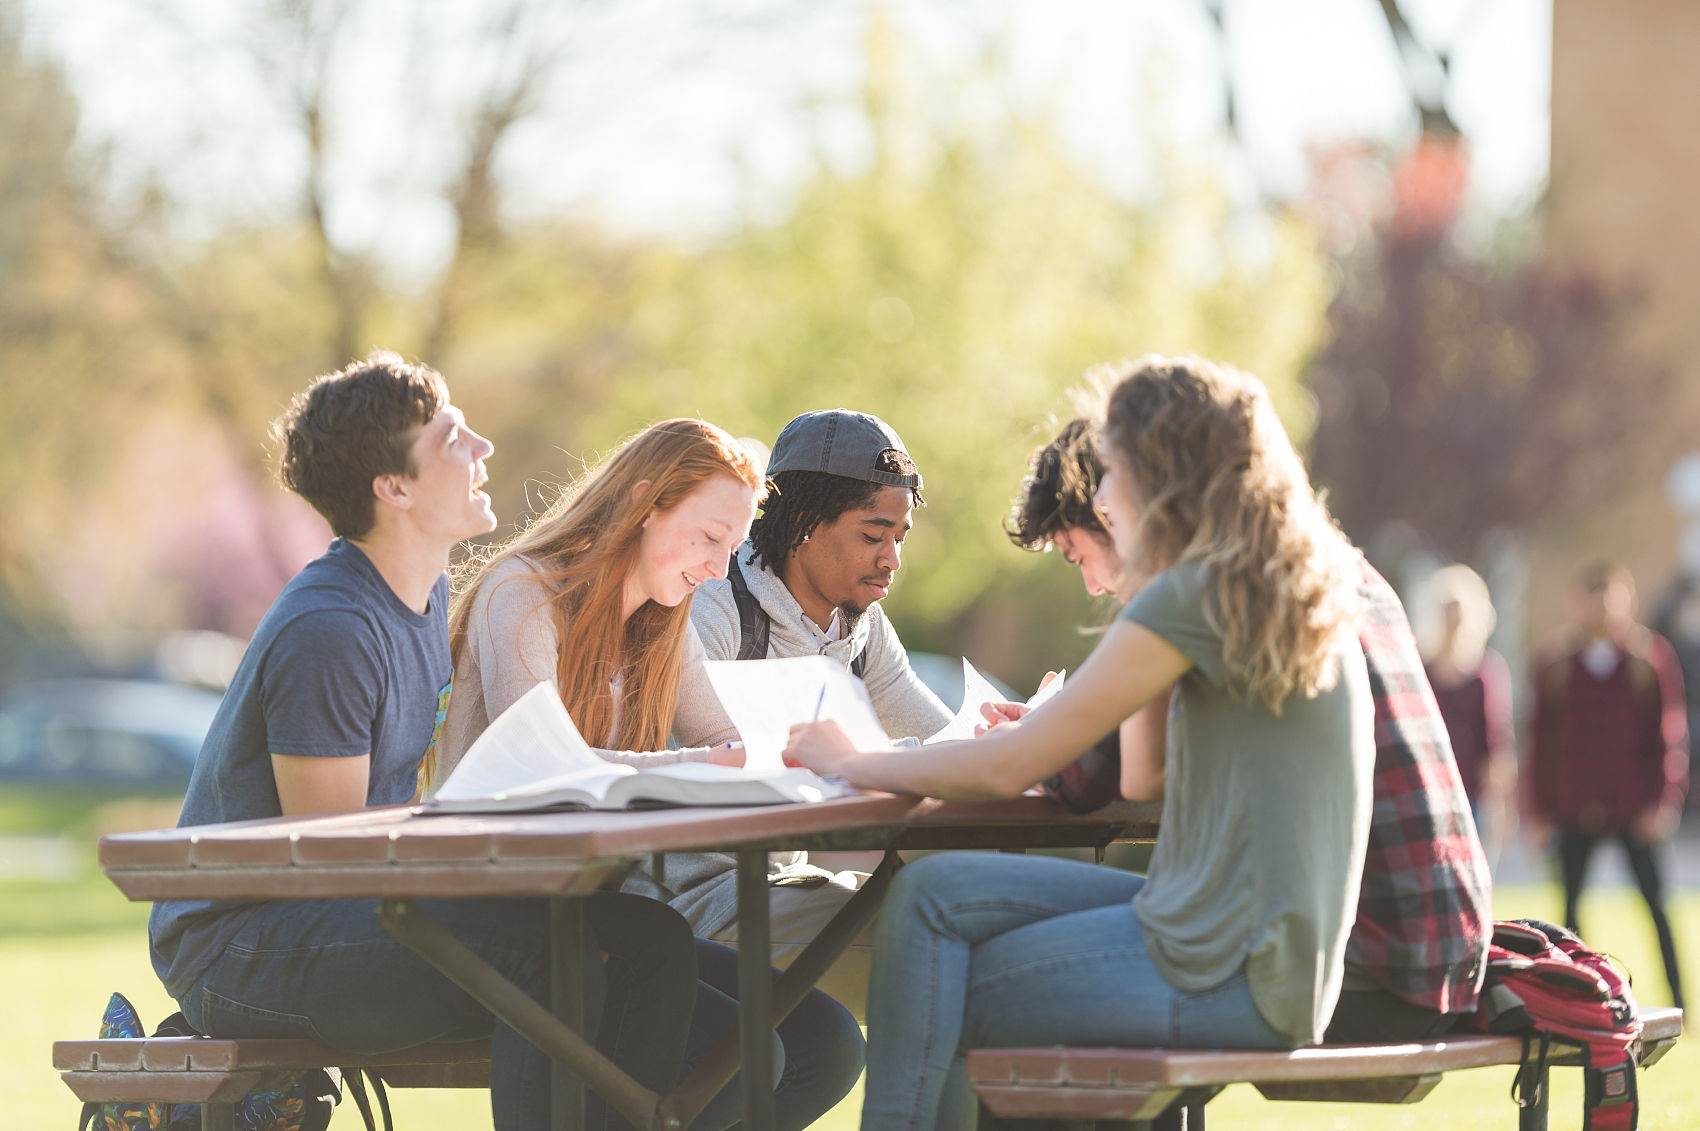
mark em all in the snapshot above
pixel 210 1070
pixel 211 1054
pixel 1137 1083
pixel 1021 1101
pixel 163 1087
pixel 1381 1090
pixel 1114 1067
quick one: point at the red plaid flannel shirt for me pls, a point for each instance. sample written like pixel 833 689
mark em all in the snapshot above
pixel 1423 910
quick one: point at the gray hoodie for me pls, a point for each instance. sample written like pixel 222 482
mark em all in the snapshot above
pixel 905 706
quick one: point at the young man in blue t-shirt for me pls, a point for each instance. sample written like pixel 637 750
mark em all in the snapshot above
pixel 340 694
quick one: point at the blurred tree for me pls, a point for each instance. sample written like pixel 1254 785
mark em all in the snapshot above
pixel 958 280
pixel 64 319
pixel 1458 395
pixel 958 283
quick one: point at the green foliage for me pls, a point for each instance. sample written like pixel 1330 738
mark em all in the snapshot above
pixel 1462 394
pixel 958 280
pixel 959 284
pixel 57 303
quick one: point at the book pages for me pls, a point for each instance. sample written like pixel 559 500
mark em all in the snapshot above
pixel 533 740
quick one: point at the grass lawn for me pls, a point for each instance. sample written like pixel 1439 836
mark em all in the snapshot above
pixel 65 946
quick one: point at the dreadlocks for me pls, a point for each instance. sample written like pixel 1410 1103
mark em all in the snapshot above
pixel 798 502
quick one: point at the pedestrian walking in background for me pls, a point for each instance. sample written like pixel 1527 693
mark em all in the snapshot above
pixel 1472 686
pixel 1608 750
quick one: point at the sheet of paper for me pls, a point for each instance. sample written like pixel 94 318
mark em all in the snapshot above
pixel 1048 690
pixel 532 740
pixel 765 697
pixel 976 689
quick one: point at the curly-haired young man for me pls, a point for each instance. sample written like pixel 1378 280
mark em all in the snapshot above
pixel 820 558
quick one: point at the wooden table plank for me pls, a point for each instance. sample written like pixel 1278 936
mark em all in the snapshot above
pixel 396 852
pixel 1030 822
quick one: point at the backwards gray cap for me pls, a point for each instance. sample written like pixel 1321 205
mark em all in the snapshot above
pixel 840 442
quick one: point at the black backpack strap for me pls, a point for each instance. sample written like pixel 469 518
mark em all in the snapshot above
pixel 357 1090
pixel 175 1026
pixel 754 625
pixel 1529 1086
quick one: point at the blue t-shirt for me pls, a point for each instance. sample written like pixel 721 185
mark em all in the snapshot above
pixel 339 667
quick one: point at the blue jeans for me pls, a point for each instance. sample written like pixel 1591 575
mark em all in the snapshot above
pixel 983 950
pixel 818 1051
pixel 326 971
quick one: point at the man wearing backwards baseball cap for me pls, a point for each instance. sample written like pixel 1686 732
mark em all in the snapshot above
pixel 818 561
pixel 821 556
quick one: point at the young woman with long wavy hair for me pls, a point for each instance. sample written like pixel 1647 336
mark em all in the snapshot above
pixel 594 596
pixel 1245 602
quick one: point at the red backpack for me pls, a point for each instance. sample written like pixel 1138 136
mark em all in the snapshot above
pixel 1544 983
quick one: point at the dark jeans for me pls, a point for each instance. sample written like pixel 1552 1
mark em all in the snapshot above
pixel 1574 850
pixel 818 1052
pixel 1377 1017
pixel 326 971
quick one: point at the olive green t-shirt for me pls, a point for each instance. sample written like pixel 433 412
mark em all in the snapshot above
pixel 1265 819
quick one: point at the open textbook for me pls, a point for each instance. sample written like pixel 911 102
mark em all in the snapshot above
pixel 533 757
pixel 976 690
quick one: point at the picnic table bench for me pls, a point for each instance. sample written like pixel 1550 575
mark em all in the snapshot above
pixel 395 855
pixel 219 1073
pixel 1168 1088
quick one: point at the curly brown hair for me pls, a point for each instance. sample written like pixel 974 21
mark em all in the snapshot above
pixel 1057 494
pixel 1218 483
pixel 349 427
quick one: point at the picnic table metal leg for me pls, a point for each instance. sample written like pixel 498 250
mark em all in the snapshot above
pixel 406 923
pixel 1181 1117
pixel 755 989
pixel 711 1074
pixel 1534 1116
pixel 218 1116
pixel 566 1002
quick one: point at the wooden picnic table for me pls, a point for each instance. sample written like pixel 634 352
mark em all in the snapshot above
pixel 397 854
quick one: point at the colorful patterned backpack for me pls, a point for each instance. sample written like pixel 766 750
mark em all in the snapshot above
pixel 304 1103
pixel 1544 983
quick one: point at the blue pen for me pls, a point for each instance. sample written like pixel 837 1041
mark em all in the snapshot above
pixel 819 702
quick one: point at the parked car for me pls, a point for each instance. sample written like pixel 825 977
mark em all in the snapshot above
pixel 85 731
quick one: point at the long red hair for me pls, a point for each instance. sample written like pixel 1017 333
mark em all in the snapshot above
pixel 584 546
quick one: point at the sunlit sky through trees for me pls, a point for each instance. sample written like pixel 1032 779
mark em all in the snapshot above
pixel 680 118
